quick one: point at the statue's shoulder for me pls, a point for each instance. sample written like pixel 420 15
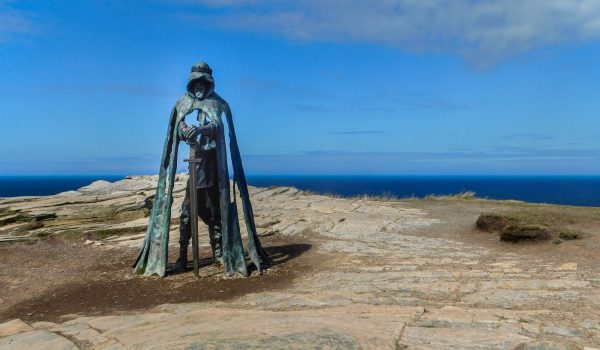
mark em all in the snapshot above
pixel 184 103
pixel 221 101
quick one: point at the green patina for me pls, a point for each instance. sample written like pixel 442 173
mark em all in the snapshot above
pixel 154 254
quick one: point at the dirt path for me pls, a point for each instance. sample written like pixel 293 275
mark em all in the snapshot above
pixel 57 278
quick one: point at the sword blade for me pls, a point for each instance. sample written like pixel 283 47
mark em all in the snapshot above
pixel 194 209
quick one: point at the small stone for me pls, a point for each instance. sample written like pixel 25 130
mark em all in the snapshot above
pixel 88 242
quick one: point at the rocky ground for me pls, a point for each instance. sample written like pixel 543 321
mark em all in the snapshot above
pixel 350 273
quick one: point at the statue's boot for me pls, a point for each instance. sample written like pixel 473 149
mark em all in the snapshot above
pixel 216 243
pixel 181 263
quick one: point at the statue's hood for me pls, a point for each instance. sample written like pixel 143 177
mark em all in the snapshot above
pixel 207 77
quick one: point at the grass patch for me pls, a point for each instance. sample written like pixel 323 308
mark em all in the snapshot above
pixel 518 232
pixel 461 195
pixel 568 234
pixel 42 234
pixel 9 218
pixel 103 234
pixel 494 222
pixel 384 197
pixel 513 228
pixel 390 197
pixel 77 235
pixel 528 224
pixel 28 226
pixel 6 211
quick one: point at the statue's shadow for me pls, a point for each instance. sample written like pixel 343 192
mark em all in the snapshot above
pixel 279 254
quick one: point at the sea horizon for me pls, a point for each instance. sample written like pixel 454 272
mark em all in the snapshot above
pixel 580 190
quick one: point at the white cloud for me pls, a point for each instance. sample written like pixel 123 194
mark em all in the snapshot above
pixel 482 31
pixel 14 22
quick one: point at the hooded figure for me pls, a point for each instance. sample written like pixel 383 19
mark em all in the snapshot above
pixel 217 207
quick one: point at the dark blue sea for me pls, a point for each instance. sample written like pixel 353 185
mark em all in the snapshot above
pixel 571 190
pixel 11 186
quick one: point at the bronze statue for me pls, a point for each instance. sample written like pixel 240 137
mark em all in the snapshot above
pixel 209 195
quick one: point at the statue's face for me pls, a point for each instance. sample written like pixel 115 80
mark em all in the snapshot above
pixel 199 89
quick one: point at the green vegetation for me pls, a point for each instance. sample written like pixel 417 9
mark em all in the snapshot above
pixel 518 232
pixel 103 234
pixel 77 235
pixel 6 211
pixel 527 224
pixel 461 195
pixel 26 227
pixel 390 197
pixel 568 234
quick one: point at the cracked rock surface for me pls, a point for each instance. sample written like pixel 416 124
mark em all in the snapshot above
pixel 375 274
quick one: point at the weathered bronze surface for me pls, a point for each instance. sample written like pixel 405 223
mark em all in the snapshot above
pixel 193 208
pixel 212 174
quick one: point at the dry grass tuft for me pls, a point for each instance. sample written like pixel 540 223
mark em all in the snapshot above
pixel 568 234
pixel 461 195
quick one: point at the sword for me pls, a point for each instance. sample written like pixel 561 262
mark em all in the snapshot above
pixel 194 204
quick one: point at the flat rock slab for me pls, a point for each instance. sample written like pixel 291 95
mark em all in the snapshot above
pixel 13 327
pixel 38 340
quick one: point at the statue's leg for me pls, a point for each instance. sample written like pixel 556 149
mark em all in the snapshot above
pixel 216 242
pixel 211 216
pixel 185 233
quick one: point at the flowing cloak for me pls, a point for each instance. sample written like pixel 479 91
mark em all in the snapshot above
pixel 154 255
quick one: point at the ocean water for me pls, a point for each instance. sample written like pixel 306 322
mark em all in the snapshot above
pixel 571 190
pixel 11 186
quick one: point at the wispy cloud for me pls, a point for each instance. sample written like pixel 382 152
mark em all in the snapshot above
pixel 135 164
pixel 505 161
pixel 527 136
pixel 501 161
pixel 313 108
pixel 356 132
pixel 14 22
pixel 260 86
pixel 90 89
pixel 395 101
pixel 483 32
pixel 144 91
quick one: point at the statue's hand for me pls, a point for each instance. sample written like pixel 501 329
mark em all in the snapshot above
pixel 191 133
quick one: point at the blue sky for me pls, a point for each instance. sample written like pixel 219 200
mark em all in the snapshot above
pixel 334 87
